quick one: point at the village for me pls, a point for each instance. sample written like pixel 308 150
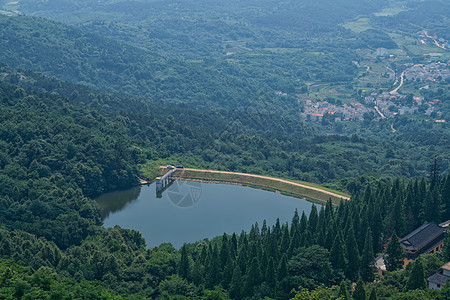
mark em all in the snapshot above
pixel 380 105
pixel 375 106
pixel 431 72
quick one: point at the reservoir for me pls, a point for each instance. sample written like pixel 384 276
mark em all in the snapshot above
pixel 189 211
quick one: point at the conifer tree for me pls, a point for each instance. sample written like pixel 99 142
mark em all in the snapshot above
pixel 224 251
pixel 295 220
pixel 253 277
pixel 236 286
pixel 359 293
pixel 271 275
pixel 213 269
pixel 367 266
pixel 285 241
pixel 184 267
pixel 277 230
pixel 295 242
pixel 446 199
pixel 234 244
pixel 416 279
pixel 396 219
pixel 264 229
pixel 330 235
pixel 272 247
pixel 353 258
pixel 446 249
pixel 227 273
pixel 393 256
pixel 198 272
pixel 303 223
pixel 338 253
pixel 376 229
pixel 313 220
pixel 282 268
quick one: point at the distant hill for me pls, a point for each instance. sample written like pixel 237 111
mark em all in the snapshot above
pixel 72 55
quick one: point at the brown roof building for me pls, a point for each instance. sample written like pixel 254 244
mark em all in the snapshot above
pixel 428 238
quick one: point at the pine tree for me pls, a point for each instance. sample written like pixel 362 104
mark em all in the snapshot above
pixel 446 250
pixel 359 293
pixel 367 259
pixel 338 253
pixel 396 219
pixel 227 273
pixel 271 276
pixel 277 230
pixel 198 273
pixel 373 294
pixel 224 251
pixel 236 286
pixel 295 221
pixel 313 220
pixel 393 256
pixel 264 229
pixel 376 229
pixel 184 267
pixel 295 242
pixel 285 241
pixel 416 279
pixel 303 223
pixel 282 268
pixel 353 258
pixel 213 269
pixel 446 199
pixel 253 277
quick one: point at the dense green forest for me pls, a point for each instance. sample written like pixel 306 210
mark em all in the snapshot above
pixel 49 222
pixel 86 105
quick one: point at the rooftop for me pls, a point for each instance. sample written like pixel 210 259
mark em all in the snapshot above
pixel 420 237
pixel 438 278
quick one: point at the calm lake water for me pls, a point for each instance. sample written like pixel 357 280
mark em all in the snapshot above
pixel 191 211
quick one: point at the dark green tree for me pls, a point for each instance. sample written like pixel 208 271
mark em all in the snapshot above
pixel 353 259
pixel 236 286
pixel 343 291
pixel 359 293
pixel 367 266
pixel 253 277
pixel 282 268
pixel 373 294
pixel 394 254
pixel 338 253
pixel 416 279
pixel 184 267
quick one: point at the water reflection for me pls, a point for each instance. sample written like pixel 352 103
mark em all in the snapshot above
pixel 191 211
pixel 116 201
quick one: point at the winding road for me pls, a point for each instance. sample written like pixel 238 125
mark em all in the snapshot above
pixel 394 91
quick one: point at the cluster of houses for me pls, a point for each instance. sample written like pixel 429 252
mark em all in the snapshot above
pixel 382 105
pixel 315 112
pixel 426 39
pixel 427 239
pixel 437 71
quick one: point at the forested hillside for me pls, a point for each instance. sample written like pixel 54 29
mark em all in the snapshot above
pixel 90 104
pixel 72 55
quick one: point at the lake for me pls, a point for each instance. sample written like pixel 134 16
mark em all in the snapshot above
pixel 189 211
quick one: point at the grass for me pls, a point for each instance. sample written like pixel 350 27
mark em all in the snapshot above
pixel 359 25
pixel 266 184
pixel 389 11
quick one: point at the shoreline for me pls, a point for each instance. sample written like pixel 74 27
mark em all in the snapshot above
pixel 310 192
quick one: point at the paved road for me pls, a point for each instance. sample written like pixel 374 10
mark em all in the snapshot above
pixel 394 91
